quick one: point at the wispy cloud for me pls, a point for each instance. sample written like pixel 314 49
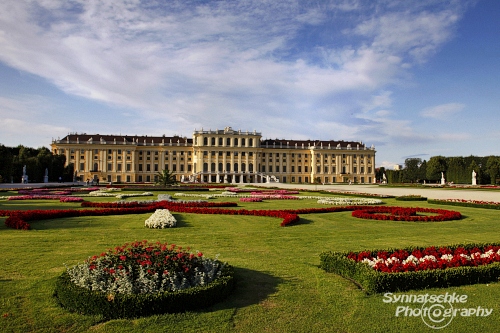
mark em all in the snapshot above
pixel 443 111
pixel 182 62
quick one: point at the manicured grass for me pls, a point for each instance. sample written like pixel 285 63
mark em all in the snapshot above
pixel 280 287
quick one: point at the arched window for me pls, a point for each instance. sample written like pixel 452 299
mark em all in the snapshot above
pixel 205 141
pixel 228 167
pixel 243 167
pixel 235 167
pixel 213 142
pixel 250 167
pixel 212 167
pixel 205 167
pixel 220 167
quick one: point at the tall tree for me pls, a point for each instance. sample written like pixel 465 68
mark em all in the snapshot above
pixel 410 171
pixel 493 168
pixel 435 166
pixel 6 165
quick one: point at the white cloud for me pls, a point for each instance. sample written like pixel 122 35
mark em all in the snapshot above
pixel 443 111
pixel 192 64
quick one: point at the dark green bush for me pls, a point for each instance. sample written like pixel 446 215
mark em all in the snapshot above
pixel 411 198
pixel 84 301
pixel 372 281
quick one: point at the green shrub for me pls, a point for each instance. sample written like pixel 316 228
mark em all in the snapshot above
pixel 411 198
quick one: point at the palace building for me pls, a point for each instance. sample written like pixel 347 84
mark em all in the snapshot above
pixel 220 156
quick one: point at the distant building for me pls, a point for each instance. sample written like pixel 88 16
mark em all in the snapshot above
pixel 220 156
pixel 398 167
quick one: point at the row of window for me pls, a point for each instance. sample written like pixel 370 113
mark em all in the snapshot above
pixel 230 142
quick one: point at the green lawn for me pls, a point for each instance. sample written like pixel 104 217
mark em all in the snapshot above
pixel 279 285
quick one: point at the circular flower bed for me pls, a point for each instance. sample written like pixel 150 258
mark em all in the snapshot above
pixel 406 214
pixel 141 279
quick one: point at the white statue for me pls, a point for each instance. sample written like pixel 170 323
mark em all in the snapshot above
pixel 24 178
pixel 474 181
pixel 442 179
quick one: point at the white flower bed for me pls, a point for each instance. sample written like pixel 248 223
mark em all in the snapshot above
pixel 128 195
pixel 101 193
pixel 161 219
pixel 349 201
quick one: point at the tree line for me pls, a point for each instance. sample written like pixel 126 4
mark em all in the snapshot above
pixel 455 169
pixel 37 161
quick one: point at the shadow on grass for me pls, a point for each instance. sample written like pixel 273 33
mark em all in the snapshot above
pixel 301 222
pixel 181 221
pixel 251 287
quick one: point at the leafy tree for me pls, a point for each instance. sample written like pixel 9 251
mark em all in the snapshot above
pixel 435 166
pixel 422 171
pixel 165 178
pixel 379 173
pixel 410 171
pixel 493 168
pixel 6 166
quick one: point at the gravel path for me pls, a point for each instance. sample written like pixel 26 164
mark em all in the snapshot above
pixel 429 192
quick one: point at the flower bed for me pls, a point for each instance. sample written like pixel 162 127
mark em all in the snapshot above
pixel 406 214
pixel 467 203
pixel 129 195
pixel 358 194
pixel 141 279
pixel 416 267
pixel 61 198
pixel 411 198
pixel 348 201
pixel 254 199
pixel 161 219
pixel 19 219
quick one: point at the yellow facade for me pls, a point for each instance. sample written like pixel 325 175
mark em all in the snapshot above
pixel 220 156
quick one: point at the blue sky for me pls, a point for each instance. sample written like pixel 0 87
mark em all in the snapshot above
pixel 414 78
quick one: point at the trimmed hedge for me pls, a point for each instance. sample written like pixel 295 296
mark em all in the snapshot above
pixel 84 301
pixel 372 281
pixel 411 198
pixel 463 204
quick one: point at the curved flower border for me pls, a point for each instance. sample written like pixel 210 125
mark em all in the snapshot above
pixel 406 214
pixel 20 219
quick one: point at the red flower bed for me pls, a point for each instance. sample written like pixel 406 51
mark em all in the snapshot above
pixel 20 219
pixel 406 214
pixel 428 258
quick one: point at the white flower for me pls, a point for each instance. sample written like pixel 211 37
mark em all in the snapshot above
pixel 161 219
